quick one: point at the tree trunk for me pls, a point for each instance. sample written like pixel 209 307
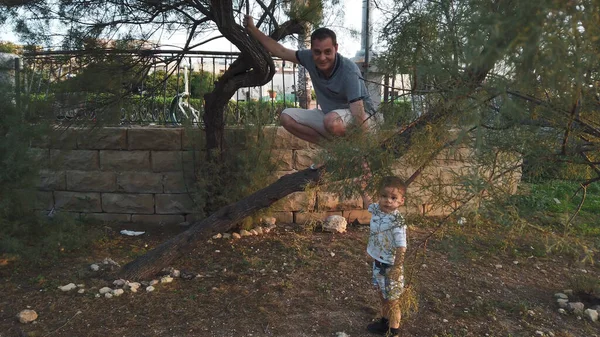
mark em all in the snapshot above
pixel 254 67
pixel 146 266
pixel 302 91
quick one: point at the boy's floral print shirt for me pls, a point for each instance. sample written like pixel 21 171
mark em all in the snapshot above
pixel 388 233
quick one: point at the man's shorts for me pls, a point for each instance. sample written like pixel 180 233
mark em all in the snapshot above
pixel 314 118
pixel 390 289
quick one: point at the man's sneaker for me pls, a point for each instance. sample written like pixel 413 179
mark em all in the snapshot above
pixel 379 327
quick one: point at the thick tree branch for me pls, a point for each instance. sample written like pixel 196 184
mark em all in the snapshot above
pixel 268 11
pixel 152 262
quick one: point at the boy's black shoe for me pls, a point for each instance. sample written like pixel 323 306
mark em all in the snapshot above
pixel 379 327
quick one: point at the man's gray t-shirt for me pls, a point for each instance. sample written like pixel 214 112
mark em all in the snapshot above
pixel 345 85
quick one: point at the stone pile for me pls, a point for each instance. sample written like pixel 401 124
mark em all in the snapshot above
pixel 268 224
pixel 168 275
pixel 576 308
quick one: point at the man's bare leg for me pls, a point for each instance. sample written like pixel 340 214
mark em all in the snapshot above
pixel 301 131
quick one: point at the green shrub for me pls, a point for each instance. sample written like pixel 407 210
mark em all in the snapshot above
pixel 246 167
pixel 397 113
pixel 24 232
pixel 556 196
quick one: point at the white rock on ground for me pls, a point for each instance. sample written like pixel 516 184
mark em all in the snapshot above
pixel 149 288
pixel 175 273
pixel 562 311
pixel 576 308
pixel 154 282
pixel 244 232
pixel 166 279
pixel 104 290
pixel 235 235
pixel 341 334
pixel 562 303
pixel 269 221
pixel 561 295
pixel 68 287
pixel 591 314
pixel 118 292
pixel 226 236
pixel 108 295
pixel 94 267
pixel 259 230
pixel 108 260
pixel 81 291
pixel 217 236
pixel 131 285
pixel 27 316
pixel 119 282
pixel 335 223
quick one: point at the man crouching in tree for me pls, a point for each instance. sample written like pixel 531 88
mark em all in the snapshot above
pixel 339 87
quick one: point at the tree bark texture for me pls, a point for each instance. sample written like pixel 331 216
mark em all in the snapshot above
pixel 254 67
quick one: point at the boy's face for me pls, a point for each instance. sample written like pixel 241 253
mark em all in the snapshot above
pixel 390 198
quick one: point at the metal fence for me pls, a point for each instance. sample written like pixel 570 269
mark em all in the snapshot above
pixel 155 86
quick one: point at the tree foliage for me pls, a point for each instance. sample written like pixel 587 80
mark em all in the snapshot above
pixel 538 98
pixel 81 22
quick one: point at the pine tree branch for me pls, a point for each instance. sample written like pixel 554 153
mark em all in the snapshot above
pixel 431 157
pixel 268 11
pixel 583 125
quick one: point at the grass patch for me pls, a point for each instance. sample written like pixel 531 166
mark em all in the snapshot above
pixel 43 240
pixel 558 197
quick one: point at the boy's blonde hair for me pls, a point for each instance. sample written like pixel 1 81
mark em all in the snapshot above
pixel 394 182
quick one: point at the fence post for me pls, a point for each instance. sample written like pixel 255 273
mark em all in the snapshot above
pixel 18 83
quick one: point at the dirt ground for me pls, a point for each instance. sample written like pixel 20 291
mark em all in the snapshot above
pixel 295 282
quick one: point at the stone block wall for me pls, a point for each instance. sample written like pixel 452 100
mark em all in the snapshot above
pixel 142 175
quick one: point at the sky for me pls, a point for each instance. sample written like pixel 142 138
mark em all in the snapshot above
pixel 348 45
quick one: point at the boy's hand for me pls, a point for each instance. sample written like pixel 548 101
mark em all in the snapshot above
pixel 395 273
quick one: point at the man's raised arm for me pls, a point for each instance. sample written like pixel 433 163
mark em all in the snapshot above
pixel 270 45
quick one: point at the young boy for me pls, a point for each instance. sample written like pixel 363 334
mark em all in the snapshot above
pixel 387 246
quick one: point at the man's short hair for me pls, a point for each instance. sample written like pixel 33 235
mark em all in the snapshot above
pixel 394 182
pixel 323 33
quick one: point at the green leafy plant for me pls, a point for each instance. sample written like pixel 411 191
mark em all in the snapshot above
pixel 23 232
